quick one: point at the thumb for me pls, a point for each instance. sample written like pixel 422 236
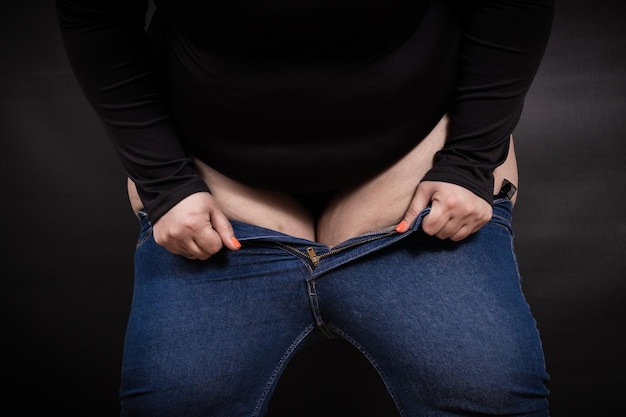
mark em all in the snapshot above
pixel 225 231
pixel 421 199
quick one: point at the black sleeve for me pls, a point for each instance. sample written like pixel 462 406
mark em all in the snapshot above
pixel 109 52
pixel 503 44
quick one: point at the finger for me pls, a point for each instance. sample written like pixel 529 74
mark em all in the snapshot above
pixel 435 222
pixel 418 204
pixel 185 254
pixel 461 234
pixel 460 226
pixel 224 229
pixel 191 240
pixel 206 242
pixel 455 233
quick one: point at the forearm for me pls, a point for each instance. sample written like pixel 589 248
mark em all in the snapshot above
pixel 503 44
pixel 112 60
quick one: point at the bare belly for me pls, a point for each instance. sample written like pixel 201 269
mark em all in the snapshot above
pixel 370 205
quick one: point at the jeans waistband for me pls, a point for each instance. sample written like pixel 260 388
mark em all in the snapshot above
pixel 313 253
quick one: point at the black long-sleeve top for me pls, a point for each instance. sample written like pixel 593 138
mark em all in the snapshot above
pixel 303 96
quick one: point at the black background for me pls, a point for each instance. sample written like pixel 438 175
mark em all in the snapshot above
pixel 68 234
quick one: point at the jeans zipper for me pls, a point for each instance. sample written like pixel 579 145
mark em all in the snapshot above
pixel 315 259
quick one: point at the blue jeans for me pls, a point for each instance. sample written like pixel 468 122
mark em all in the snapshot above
pixel 445 324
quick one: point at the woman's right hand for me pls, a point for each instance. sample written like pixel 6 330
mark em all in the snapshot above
pixel 195 228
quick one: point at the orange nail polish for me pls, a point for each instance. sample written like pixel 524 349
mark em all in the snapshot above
pixel 235 242
pixel 402 227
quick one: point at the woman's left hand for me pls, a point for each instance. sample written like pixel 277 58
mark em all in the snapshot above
pixel 455 212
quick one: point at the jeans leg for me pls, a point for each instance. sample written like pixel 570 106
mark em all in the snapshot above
pixel 210 338
pixel 446 324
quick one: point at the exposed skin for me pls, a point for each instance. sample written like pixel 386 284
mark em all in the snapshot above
pixel 198 226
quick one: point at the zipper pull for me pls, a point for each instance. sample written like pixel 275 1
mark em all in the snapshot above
pixel 313 256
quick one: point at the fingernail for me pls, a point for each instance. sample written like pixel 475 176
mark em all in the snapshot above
pixel 235 242
pixel 402 227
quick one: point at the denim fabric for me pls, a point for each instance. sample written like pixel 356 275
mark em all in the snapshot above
pixel 445 324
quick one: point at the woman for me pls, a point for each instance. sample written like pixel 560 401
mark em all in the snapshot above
pixel 319 169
